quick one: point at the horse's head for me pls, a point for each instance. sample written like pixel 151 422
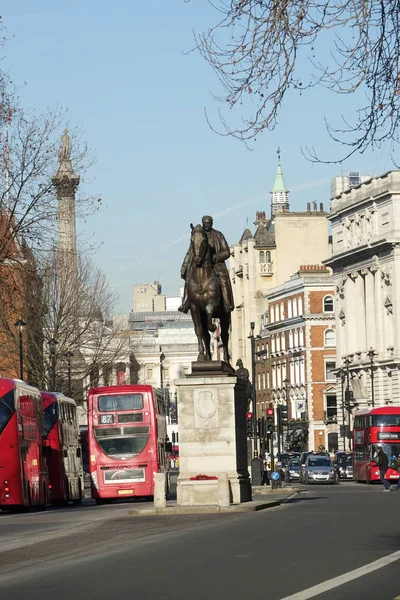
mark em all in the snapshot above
pixel 199 244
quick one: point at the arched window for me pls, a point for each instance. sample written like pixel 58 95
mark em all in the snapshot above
pixel 329 338
pixel 301 337
pixel 328 304
pixel 283 341
pixel 262 256
pixel 273 344
pixel 296 338
pixel 295 307
pixel 290 339
pixel 300 303
pixel 276 312
pixel 278 343
pixel 282 311
pixel 271 314
pixel 289 309
pixel 268 256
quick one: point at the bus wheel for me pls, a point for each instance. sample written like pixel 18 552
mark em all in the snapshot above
pixel 100 501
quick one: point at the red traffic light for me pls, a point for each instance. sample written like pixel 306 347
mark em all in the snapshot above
pixel 249 415
pixel 270 412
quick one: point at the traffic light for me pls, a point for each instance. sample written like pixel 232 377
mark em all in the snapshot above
pixel 249 424
pixel 270 420
pixel 284 415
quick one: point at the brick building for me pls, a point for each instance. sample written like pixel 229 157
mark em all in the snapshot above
pixel 296 358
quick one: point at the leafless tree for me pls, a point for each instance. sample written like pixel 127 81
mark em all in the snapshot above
pixel 76 311
pixel 263 49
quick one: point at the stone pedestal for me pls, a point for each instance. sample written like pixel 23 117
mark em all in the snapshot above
pixel 212 435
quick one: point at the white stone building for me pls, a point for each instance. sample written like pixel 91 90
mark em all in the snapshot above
pixel 366 271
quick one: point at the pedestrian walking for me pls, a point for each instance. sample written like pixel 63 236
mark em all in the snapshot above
pixel 396 467
pixel 383 464
pixel 265 478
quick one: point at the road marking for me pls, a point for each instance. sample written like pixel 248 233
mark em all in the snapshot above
pixel 330 584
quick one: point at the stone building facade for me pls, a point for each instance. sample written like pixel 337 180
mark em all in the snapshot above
pixel 267 257
pixel 296 358
pixel 366 272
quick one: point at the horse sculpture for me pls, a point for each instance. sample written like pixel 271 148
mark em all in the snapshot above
pixel 205 298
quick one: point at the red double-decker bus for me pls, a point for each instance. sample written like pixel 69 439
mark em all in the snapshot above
pixel 127 434
pixel 64 453
pixel 23 469
pixel 374 428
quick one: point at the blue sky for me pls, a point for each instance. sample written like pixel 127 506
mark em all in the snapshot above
pixel 122 71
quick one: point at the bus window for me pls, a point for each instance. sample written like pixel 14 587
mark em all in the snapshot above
pixel 120 402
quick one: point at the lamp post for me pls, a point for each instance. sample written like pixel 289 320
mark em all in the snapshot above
pixel 371 354
pixel 20 324
pixel 253 379
pixel 347 362
pixel 68 354
pixel 342 375
pixel 286 383
pixel 52 344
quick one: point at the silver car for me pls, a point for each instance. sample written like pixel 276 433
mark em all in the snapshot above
pixel 319 469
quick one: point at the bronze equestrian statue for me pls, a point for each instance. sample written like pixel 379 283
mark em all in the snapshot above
pixel 208 292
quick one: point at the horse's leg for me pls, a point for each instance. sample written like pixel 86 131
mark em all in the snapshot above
pixel 224 321
pixel 206 335
pixel 198 329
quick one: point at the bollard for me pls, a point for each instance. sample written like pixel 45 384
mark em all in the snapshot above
pixel 160 500
pixel 223 490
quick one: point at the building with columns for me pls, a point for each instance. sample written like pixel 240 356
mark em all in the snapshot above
pixel 267 257
pixel 366 271
pixel 297 358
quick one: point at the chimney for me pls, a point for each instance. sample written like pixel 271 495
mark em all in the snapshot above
pixel 315 206
pixel 321 207
pixel 308 207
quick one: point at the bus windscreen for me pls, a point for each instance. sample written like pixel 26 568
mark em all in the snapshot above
pixel 7 409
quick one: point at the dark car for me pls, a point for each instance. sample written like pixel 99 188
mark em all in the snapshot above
pixel 292 472
pixel 343 463
pixel 285 457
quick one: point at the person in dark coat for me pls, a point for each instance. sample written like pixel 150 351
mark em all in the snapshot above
pixel 383 464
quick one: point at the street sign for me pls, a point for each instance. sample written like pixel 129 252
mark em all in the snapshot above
pixel 275 475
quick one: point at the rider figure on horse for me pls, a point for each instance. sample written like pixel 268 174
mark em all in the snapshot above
pixel 219 253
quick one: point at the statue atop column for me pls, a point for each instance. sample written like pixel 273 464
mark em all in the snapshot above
pixel 66 146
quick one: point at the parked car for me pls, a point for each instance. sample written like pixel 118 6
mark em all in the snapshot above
pixel 292 472
pixel 319 469
pixel 343 463
pixel 303 458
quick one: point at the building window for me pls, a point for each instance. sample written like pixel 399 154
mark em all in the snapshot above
pixel 273 344
pixel 330 366
pixel 276 312
pixel 328 304
pixel 300 302
pixel 301 337
pixel 271 314
pixel 296 338
pixel 329 338
pixel 289 309
pixel 282 311
pixel 268 256
pixel 283 341
pixel 290 339
pixel 333 442
pixel 331 407
pixel 262 256
pixel 295 307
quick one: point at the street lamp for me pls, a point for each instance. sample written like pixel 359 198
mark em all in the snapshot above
pixel 342 375
pixel 68 354
pixel 286 383
pixel 52 344
pixel 253 379
pixel 20 324
pixel 347 362
pixel 371 354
